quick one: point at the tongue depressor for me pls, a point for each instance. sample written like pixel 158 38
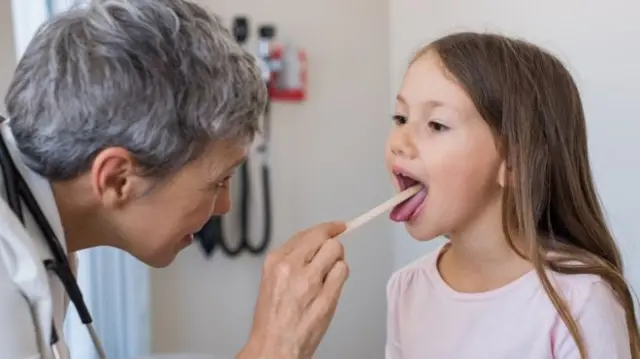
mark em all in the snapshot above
pixel 381 208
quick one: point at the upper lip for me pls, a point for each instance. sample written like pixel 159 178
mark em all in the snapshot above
pixel 398 172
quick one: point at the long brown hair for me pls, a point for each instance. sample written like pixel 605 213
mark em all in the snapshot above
pixel 533 106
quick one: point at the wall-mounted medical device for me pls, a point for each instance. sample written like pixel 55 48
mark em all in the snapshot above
pixel 284 71
pixel 286 64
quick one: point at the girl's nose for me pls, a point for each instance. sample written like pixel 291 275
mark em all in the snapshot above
pixel 402 143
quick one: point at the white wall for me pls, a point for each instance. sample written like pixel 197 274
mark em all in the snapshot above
pixel 599 40
pixel 327 163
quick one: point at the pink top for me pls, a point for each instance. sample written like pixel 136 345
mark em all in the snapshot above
pixel 427 319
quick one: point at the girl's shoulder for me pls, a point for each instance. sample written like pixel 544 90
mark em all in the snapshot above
pixel 576 287
pixel 420 277
pixel 583 290
pixel 420 270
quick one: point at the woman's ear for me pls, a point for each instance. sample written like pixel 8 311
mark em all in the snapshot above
pixel 114 179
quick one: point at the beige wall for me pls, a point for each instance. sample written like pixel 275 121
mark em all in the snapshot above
pixel 7 44
pixel 327 163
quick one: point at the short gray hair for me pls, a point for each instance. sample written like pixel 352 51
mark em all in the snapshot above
pixel 161 78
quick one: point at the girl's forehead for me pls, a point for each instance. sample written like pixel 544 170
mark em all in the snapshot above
pixel 429 87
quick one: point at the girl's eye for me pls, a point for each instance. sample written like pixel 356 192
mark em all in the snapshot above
pixel 400 119
pixel 437 126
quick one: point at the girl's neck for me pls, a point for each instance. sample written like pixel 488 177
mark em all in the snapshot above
pixel 480 258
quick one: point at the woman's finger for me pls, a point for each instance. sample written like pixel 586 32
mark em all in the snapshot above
pixel 322 309
pixel 313 275
pixel 329 253
pixel 305 246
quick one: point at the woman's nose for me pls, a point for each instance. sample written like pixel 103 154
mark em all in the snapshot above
pixel 402 144
pixel 222 202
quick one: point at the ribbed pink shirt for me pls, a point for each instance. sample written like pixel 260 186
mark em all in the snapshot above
pixel 427 319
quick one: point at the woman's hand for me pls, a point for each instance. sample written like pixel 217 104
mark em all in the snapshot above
pixel 301 284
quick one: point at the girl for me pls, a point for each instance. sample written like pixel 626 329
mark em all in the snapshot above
pixel 493 128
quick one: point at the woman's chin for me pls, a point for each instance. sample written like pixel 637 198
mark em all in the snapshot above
pixel 161 261
pixel 161 258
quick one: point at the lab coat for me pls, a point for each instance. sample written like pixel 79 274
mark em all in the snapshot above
pixel 29 295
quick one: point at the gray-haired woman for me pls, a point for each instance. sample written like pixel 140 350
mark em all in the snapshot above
pixel 126 119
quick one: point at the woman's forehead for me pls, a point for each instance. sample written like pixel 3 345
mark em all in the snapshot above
pixel 223 156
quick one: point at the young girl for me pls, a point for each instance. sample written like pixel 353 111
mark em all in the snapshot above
pixel 494 130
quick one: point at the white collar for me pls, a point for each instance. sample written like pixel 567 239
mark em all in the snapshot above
pixel 39 186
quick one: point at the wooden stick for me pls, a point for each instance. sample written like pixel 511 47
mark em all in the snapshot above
pixel 378 210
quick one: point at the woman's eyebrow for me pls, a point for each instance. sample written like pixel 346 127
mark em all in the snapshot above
pixel 235 164
pixel 239 162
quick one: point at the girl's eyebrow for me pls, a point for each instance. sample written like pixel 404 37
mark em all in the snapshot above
pixel 430 104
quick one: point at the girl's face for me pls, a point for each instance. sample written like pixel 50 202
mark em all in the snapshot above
pixel 440 140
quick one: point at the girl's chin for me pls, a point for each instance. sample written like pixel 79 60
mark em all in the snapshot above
pixel 422 234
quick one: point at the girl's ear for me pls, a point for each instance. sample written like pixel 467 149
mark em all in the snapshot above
pixel 503 174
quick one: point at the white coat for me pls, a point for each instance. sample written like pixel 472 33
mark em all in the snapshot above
pixel 29 295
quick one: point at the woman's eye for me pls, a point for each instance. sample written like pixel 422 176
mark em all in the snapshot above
pixel 399 119
pixel 224 183
pixel 437 126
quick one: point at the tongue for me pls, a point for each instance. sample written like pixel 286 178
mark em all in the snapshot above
pixel 406 209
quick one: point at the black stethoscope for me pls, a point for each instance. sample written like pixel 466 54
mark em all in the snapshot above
pixel 212 234
pixel 17 190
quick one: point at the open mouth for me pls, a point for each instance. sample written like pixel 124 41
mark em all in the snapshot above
pixel 188 239
pixel 405 181
pixel 406 210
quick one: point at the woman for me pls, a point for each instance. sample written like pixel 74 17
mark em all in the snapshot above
pixel 126 120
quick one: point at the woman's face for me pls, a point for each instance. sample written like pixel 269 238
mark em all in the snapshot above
pixel 154 220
